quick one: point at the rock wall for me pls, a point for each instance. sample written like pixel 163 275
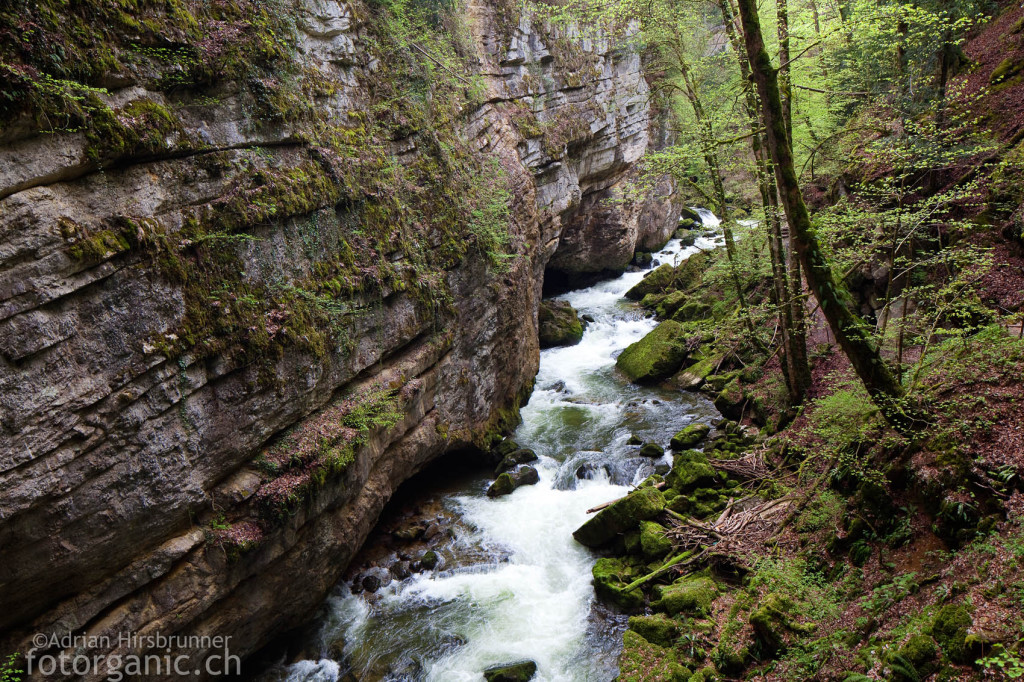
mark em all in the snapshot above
pixel 220 354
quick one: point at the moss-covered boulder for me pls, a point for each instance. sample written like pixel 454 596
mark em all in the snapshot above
pixel 634 440
pixel 656 356
pixel 686 595
pixel 657 281
pixel 651 450
pixel 691 310
pixel 611 576
pixel 642 259
pixel 686 236
pixel 730 400
pixel 690 272
pixel 690 470
pixel 517 671
pixel 558 324
pixel 950 630
pixel 620 517
pixel 774 622
pixel 919 654
pixel 515 458
pixel 690 436
pixel 657 629
pixel 653 542
pixel 642 661
pixel 429 560
pixel 729 658
pixel 669 304
pixel 507 482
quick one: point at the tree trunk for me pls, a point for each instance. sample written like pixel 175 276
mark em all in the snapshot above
pixel 785 76
pixel 797 371
pixel 850 331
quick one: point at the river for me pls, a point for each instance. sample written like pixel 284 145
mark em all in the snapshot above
pixel 513 584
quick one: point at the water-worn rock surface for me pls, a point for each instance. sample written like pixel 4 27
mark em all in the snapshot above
pixel 211 378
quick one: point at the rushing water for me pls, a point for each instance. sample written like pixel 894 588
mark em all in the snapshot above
pixel 514 583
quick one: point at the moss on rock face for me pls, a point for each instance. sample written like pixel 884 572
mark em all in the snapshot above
pixel 730 401
pixel 657 629
pixel 558 324
pixel 642 661
pixel 622 516
pixel 950 630
pixel 653 542
pixel 687 595
pixel 670 304
pixel 690 470
pixel 690 436
pixel 773 620
pixel 919 652
pixel 656 356
pixel 654 282
pixel 610 576
pixel 651 450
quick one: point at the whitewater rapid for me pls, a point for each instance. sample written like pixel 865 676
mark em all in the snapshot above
pixel 532 598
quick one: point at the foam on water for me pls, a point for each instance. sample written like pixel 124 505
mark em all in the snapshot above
pixel 450 625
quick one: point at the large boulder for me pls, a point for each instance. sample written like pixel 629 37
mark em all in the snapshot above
pixel 558 324
pixel 517 671
pixel 656 356
pixel 621 516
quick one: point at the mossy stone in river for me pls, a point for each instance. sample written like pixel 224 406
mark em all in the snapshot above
pixel 558 324
pixel 950 630
pixel 503 485
pixel 642 661
pixel 635 440
pixel 429 560
pixel 515 458
pixel 653 542
pixel 686 237
pixel 690 469
pixel 652 450
pixel 687 595
pixel 656 356
pixel 517 671
pixel 657 629
pixel 690 436
pixel 620 517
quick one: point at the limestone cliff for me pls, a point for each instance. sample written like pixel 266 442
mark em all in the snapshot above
pixel 259 264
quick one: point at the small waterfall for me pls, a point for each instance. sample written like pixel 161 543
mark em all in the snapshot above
pixel 532 598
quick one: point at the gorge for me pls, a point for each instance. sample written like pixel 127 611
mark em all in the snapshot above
pixel 474 339
pixel 170 316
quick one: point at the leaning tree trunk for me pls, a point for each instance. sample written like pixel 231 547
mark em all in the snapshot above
pixel 850 331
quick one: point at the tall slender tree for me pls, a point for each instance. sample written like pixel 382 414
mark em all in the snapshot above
pixel 850 331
